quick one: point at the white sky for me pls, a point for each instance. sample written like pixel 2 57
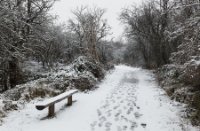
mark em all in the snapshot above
pixel 63 9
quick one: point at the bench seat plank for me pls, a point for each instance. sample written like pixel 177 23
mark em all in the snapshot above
pixel 56 99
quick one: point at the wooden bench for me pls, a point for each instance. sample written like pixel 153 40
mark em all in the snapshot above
pixel 52 101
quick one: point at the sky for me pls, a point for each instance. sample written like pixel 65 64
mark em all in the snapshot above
pixel 63 8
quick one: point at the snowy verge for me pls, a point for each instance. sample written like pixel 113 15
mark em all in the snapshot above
pixel 83 74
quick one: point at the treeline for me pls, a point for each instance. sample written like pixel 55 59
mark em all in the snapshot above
pixel 165 35
pixel 156 29
pixel 29 32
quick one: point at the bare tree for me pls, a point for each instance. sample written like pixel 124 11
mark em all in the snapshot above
pixel 146 25
pixel 20 22
pixel 90 28
pixel 52 47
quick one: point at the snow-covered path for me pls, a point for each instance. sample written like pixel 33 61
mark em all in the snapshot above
pixel 128 99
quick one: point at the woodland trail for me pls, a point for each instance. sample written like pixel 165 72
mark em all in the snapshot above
pixel 138 104
pixel 129 99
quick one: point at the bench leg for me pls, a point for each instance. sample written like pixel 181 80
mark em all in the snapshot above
pixel 51 110
pixel 69 103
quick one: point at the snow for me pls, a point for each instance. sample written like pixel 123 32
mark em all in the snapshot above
pixel 127 99
pixel 193 61
pixel 46 102
pixel 160 112
pixel 197 62
pixel 32 66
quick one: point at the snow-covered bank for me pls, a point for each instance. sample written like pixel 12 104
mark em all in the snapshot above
pixel 160 113
pixel 128 99
pixel 83 74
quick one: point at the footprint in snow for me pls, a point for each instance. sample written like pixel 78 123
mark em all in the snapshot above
pixel 102 119
pixel 99 112
pixel 143 125
pixel 115 107
pixel 128 112
pixel 104 106
pixel 133 125
pixel 108 114
pixel 137 115
pixel 116 118
pixel 124 118
pixel 117 114
pixel 125 128
pixel 93 125
pixel 108 125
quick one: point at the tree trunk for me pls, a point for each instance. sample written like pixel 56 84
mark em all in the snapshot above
pixel 14 73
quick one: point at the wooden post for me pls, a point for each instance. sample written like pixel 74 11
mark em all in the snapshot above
pixel 51 110
pixel 69 103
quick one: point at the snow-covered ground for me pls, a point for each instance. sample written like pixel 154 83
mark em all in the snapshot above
pixel 128 99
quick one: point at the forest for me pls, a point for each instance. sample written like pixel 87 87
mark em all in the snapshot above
pixel 165 36
pixel 29 32
pixel 160 35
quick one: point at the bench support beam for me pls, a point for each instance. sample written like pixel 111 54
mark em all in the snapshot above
pixel 51 111
pixel 69 103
